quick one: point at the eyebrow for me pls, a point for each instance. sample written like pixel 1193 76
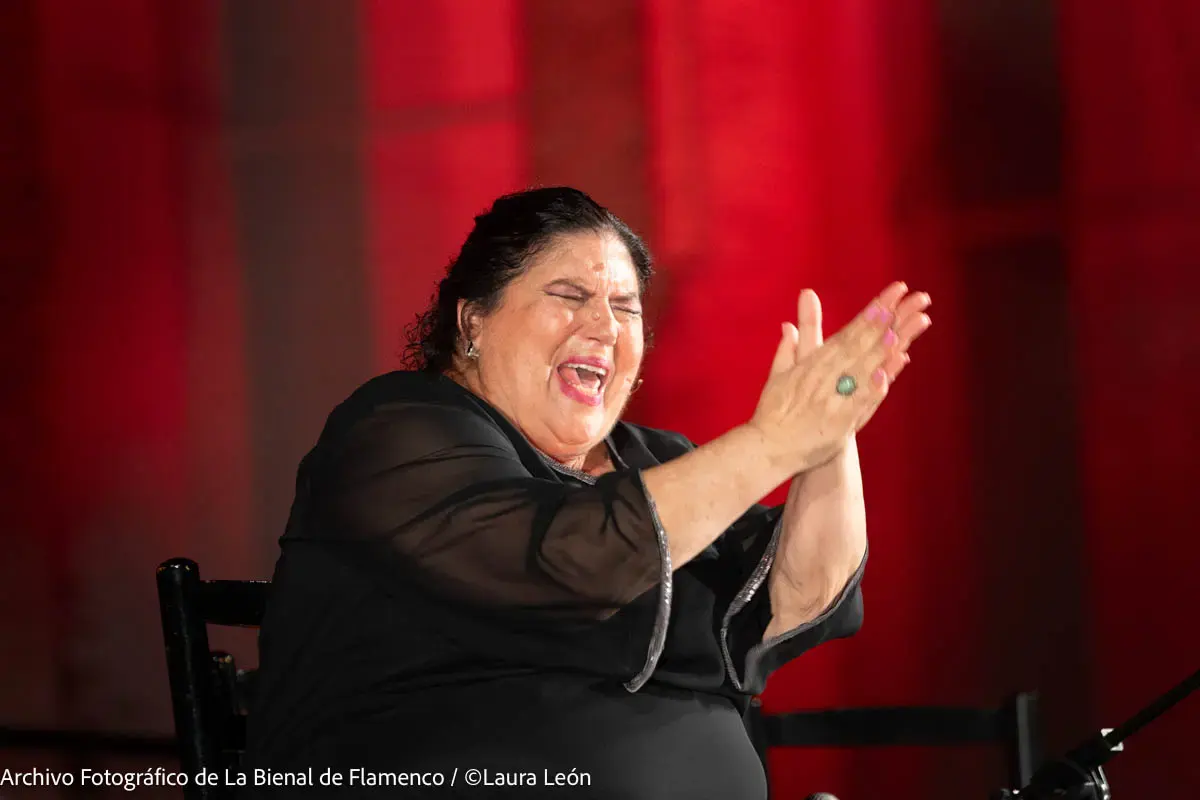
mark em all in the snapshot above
pixel 620 298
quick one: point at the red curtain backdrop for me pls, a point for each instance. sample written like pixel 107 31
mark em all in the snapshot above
pixel 793 148
pixel 1132 74
pixel 131 335
pixel 444 135
pixel 220 217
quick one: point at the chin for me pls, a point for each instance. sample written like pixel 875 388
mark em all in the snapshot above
pixel 586 430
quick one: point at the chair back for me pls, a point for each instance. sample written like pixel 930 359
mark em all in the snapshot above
pixel 209 694
pixel 1014 726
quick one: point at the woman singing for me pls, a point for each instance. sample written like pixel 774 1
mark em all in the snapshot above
pixel 490 585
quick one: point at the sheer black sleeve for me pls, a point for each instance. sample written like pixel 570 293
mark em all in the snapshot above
pixel 749 658
pixel 748 548
pixel 439 490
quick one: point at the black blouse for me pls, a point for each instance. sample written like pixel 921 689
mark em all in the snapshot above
pixel 448 598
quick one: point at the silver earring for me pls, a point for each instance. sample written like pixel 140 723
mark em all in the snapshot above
pixel 472 350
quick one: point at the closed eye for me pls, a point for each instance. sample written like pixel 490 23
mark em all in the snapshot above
pixel 574 294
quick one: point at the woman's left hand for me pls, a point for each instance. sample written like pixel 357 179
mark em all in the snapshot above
pixel 909 322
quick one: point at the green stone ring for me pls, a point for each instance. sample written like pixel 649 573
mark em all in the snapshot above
pixel 846 385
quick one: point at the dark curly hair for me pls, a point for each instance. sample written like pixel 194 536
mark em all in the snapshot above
pixel 498 249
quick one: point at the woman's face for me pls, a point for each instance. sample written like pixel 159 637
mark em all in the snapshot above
pixel 560 353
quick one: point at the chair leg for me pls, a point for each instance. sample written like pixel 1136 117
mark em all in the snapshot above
pixel 189 669
pixel 1025 740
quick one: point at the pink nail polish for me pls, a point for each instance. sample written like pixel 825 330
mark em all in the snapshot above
pixel 889 338
pixel 874 313
pixel 879 377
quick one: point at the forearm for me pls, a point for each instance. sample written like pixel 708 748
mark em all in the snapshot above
pixel 823 541
pixel 703 492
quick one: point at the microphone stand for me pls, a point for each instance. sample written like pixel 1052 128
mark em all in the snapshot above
pixel 1079 775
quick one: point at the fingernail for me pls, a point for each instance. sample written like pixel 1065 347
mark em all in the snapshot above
pixel 874 313
pixel 879 377
pixel 889 338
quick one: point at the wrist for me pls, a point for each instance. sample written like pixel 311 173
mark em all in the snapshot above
pixel 764 449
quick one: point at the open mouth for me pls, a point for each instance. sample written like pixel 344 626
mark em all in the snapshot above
pixel 584 380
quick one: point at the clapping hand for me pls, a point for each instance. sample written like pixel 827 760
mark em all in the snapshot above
pixel 819 391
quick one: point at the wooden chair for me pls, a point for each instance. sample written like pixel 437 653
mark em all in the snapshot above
pixel 1014 726
pixel 209 694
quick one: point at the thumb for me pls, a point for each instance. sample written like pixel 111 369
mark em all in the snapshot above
pixel 785 354
pixel 808 313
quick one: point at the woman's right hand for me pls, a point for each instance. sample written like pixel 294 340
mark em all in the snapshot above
pixel 802 417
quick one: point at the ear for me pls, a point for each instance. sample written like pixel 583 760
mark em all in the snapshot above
pixel 468 323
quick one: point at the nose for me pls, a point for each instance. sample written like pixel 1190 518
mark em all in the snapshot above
pixel 601 324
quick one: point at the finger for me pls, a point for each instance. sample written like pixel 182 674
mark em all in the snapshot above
pixel 785 353
pixel 890 297
pixel 872 399
pixel 872 372
pixel 865 331
pixel 908 330
pixel 908 317
pixel 887 365
pixel 885 359
pixel 881 309
pixel 912 304
pixel 808 314
pixel 886 355
pixel 894 364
